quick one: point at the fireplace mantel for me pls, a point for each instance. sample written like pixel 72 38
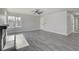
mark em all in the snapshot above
pixel 3 26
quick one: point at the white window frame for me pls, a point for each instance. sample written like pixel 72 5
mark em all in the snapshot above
pixel 16 20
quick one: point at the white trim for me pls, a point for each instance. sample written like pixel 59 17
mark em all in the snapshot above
pixel 55 32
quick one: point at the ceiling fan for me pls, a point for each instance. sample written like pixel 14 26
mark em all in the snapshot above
pixel 37 11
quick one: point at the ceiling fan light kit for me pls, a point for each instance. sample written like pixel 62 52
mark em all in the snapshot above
pixel 37 11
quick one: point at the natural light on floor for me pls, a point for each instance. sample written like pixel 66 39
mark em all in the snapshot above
pixel 21 42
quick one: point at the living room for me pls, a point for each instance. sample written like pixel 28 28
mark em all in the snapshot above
pixel 40 29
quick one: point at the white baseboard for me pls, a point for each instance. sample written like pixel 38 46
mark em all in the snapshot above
pixel 56 32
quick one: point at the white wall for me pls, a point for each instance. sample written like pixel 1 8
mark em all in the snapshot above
pixel 69 22
pixel 2 16
pixel 1 19
pixel 56 23
pixel 29 22
pixel 60 22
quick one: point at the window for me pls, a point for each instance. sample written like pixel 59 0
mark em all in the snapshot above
pixel 18 21
pixel 14 21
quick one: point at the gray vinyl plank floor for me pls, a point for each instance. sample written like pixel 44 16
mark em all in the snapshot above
pixel 46 41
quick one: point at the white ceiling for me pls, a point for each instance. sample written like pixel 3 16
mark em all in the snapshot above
pixel 46 10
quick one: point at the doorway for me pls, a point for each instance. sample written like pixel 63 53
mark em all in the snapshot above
pixel 76 23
